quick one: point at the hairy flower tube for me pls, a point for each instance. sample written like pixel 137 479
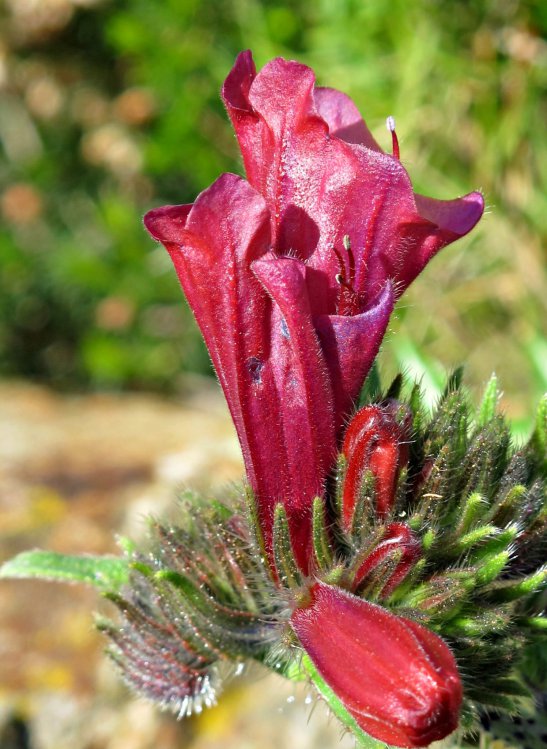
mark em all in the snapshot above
pixel 292 274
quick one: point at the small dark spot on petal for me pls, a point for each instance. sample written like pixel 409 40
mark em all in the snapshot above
pixel 517 721
pixel 254 365
pixel 519 735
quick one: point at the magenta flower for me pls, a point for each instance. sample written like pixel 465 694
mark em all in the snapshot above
pixel 292 275
pixel 397 679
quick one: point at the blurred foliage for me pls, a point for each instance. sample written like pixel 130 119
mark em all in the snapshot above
pixel 109 108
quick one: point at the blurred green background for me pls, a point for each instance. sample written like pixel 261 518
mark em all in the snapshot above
pixel 110 108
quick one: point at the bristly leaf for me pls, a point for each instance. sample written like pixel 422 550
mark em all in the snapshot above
pixel 538 440
pixel 321 543
pixel 488 406
pixel 200 596
pixel 394 390
pixel 453 384
pixel 371 390
pixel 285 561
pixel 106 573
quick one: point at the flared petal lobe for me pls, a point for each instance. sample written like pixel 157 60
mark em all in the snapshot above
pixel 343 118
pixel 350 344
pixel 397 679
pixel 254 316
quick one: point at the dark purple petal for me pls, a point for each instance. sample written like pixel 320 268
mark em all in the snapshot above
pixel 350 345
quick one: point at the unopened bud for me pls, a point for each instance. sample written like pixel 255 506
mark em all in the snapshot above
pixel 397 679
pixel 400 541
pixel 375 441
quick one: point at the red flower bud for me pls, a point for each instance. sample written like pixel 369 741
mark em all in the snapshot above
pixel 375 441
pixel 396 678
pixel 399 539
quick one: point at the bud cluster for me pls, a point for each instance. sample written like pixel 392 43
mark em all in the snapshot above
pixel 429 539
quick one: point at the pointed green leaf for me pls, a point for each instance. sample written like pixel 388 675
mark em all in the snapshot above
pixel 105 573
pixel 254 520
pixel 472 509
pixel 487 408
pixel 394 390
pixel 285 562
pixel 492 567
pixel 372 387
pixel 538 440
pixel 523 587
pixel 453 383
pixel 475 536
pixel 321 544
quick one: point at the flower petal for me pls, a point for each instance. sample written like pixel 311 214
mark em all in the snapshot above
pixel 166 224
pixel 398 680
pixel 350 345
pixel 343 117
pixel 226 229
pixel 439 223
pixel 318 188
pixel 266 354
pixel 302 387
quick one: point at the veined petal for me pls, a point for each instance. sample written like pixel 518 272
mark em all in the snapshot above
pixel 212 247
pixel 350 345
pixel 266 353
pixel 303 391
pixel 397 679
pixel 440 222
pixel 318 188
